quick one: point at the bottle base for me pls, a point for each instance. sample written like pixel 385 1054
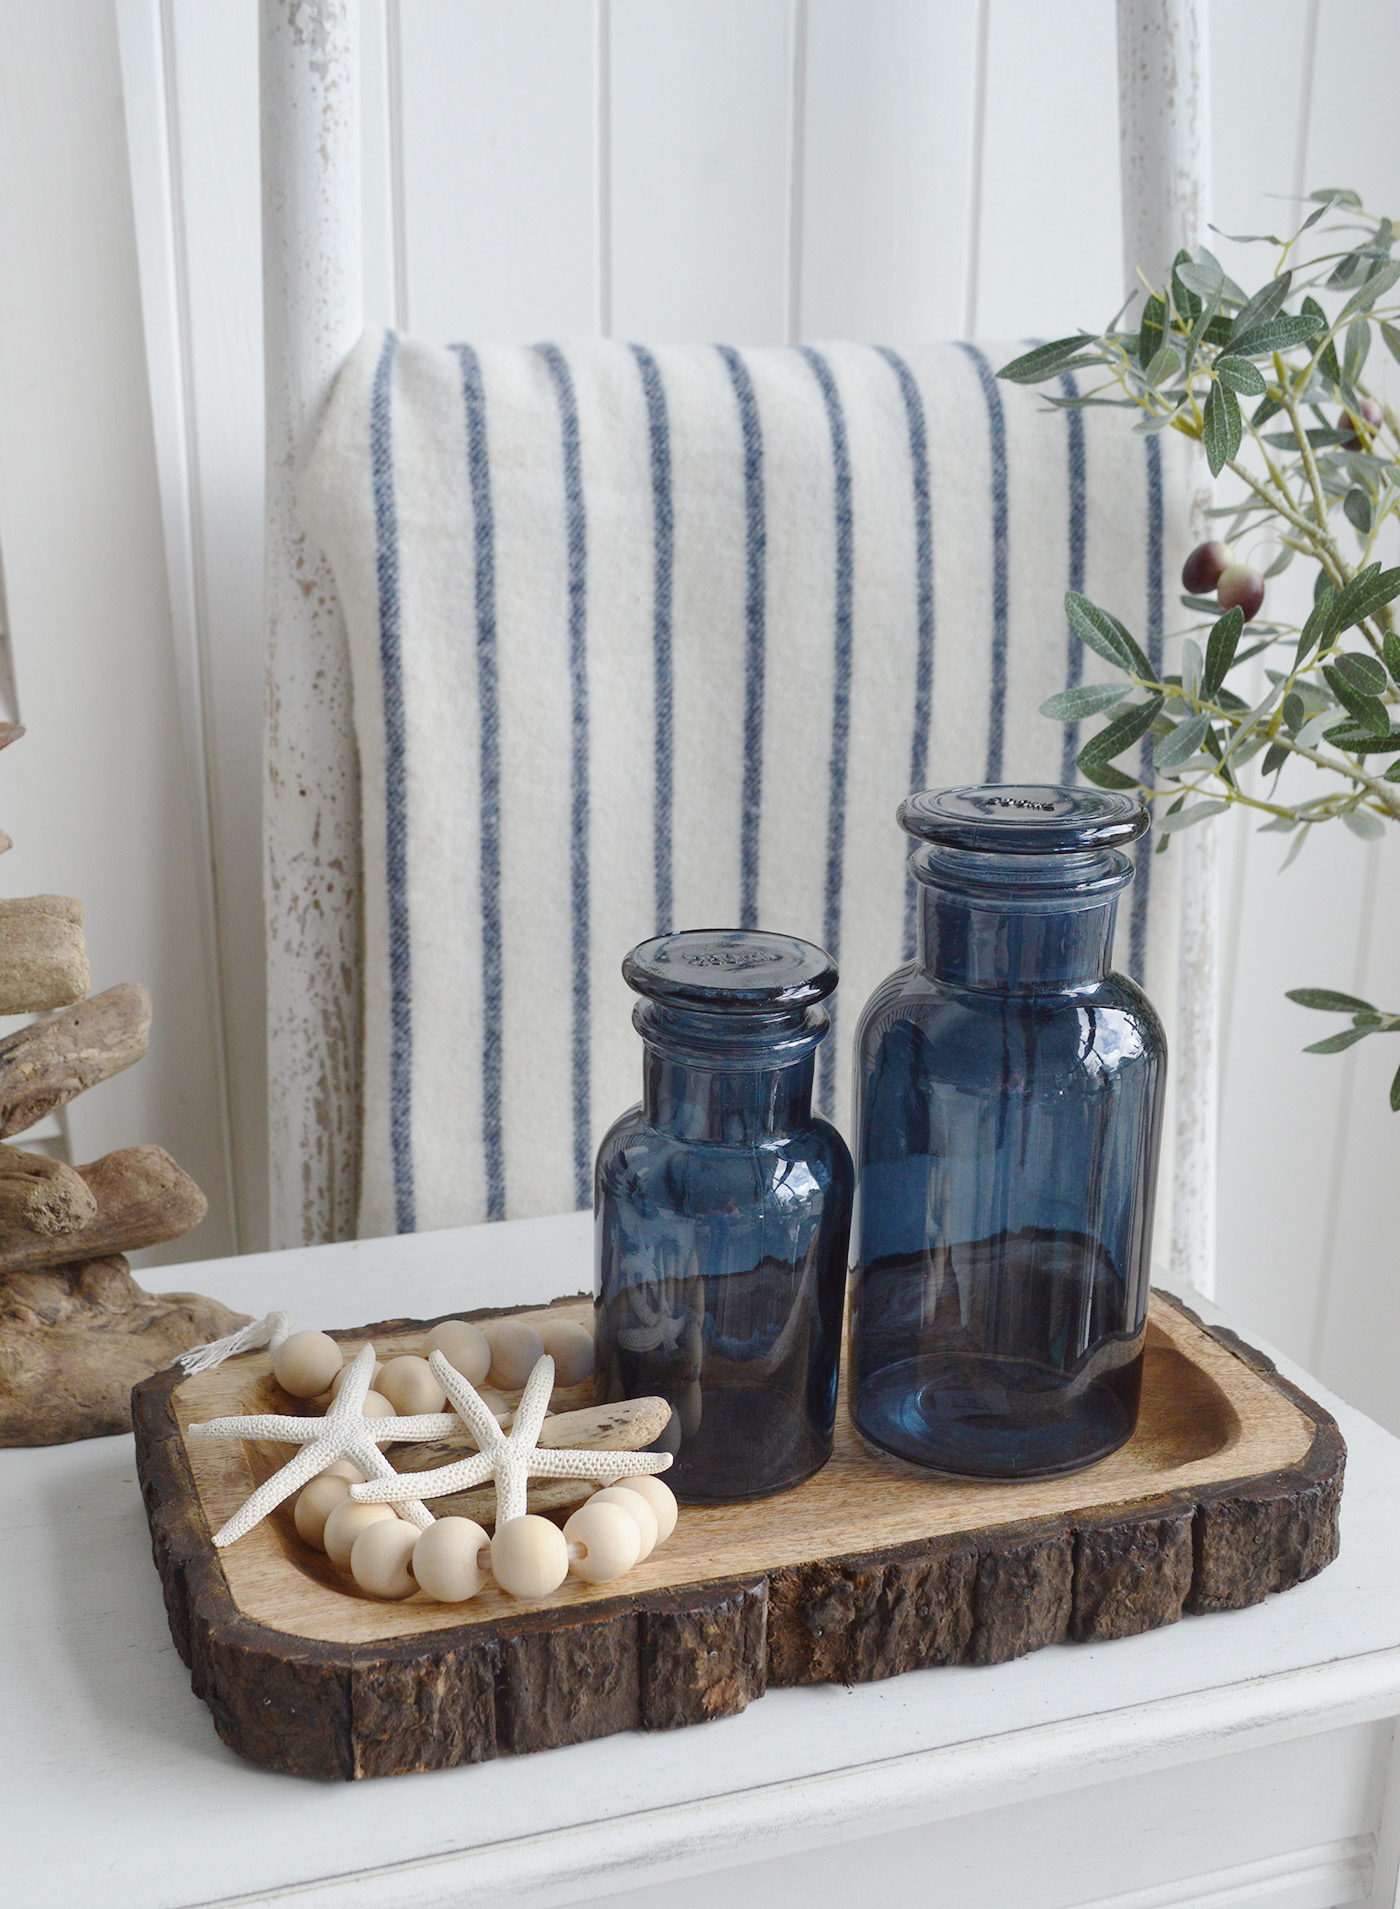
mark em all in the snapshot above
pixel 997 1418
pixel 746 1443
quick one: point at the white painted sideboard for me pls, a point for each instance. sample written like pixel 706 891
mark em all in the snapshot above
pixel 1244 1759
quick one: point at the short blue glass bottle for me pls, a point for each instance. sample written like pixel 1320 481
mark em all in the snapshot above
pixel 723 1208
pixel 1008 1112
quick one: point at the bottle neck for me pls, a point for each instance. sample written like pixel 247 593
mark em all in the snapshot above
pixel 1038 923
pixel 732 1108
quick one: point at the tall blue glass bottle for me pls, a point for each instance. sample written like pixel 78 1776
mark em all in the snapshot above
pixel 723 1210
pixel 1008 1107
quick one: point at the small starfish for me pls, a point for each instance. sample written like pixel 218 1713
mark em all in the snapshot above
pixel 344 1432
pixel 510 1461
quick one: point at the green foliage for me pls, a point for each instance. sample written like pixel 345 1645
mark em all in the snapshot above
pixel 1320 483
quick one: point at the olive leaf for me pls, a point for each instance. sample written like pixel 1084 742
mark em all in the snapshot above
pixel 1222 427
pixel 1183 742
pixel 1063 354
pixel 1086 699
pixel 1220 651
pixel 1120 734
pixel 1105 635
pixel 1241 376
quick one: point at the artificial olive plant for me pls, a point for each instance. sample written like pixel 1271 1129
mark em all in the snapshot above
pixel 1314 452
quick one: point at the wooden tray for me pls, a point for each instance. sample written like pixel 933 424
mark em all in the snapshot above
pixel 1230 1489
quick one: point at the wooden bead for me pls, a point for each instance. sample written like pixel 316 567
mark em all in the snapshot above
pixel 661 1499
pixel 339 1378
pixel 638 1509
pixel 315 1503
pixel 570 1345
pixel 305 1364
pixel 346 1523
pixel 515 1351
pixel 410 1387
pixel 603 1542
pixel 447 1559
pixel 377 1406
pixel 344 1468
pixel 381 1559
pixel 464 1346
pixel 529 1557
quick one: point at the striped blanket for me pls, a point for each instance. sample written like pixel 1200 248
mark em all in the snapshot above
pixel 650 639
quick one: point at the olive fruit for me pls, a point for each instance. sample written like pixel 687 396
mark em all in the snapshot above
pixel 1241 587
pixel 1202 569
pixel 1372 417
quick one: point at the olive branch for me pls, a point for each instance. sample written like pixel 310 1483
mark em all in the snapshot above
pixel 1316 457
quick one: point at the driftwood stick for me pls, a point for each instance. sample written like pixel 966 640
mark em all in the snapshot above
pixel 43 957
pixel 10 732
pixel 41 1199
pixel 142 1199
pixel 63 1054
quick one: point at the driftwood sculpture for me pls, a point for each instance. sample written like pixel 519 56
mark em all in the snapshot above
pixel 76 1331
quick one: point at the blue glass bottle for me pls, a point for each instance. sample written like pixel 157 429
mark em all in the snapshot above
pixel 723 1209
pixel 1008 1110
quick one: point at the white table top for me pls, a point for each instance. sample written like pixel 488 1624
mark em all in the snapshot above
pixel 117 1791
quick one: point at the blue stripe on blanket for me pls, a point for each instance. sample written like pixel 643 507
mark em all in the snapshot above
pixel 1078 518
pixel 492 1017
pixel 840 705
pixel 663 544
pixel 923 560
pixel 577 534
pixel 386 557
pixel 996 431
pixel 1142 886
pixel 755 592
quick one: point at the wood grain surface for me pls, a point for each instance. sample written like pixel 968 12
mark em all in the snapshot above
pixel 1229 1490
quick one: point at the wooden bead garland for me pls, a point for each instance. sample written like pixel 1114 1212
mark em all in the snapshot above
pixel 603 1542
pixel 409 1386
pixel 447 1559
pixel 380 1559
pixel 659 1496
pixel 305 1364
pixel 570 1345
pixel 464 1346
pixel 638 1510
pixel 345 1524
pixel 450 1558
pixel 516 1349
pixel 315 1503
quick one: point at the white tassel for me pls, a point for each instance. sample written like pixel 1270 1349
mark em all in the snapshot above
pixel 270 1331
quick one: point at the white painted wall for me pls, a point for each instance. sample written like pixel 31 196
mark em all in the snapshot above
pixel 670 169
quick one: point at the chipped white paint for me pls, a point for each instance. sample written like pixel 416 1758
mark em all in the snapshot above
pixel 312 277
pixel 1164 128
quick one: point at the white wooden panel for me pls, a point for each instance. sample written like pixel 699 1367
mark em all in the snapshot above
pixel 1307 1142
pixel 1257 129
pixel 381 159
pixel 498 136
pixel 1352 137
pixel 1355 1338
pixel 701 138
pixel 888 142
pixel 101 797
pixel 1048 249
pixel 1280 1107
pixel 212 67
pixel 1289 1827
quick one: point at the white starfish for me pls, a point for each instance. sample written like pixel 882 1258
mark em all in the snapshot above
pixel 509 1460
pixel 344 1432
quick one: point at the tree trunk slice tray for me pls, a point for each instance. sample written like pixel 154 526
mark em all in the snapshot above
pixel 1229 1490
